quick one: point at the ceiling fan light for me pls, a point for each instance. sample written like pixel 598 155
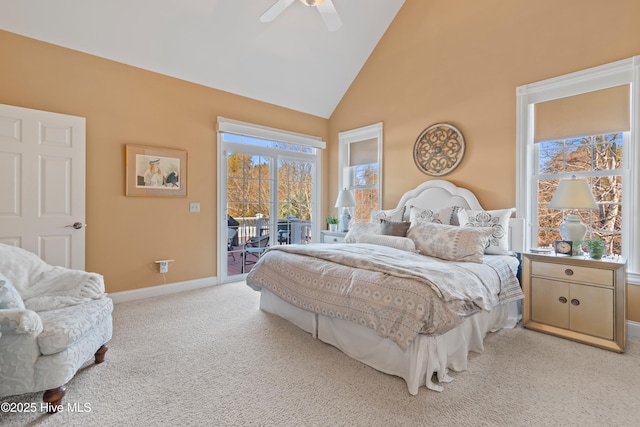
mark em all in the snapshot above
pixel 311 2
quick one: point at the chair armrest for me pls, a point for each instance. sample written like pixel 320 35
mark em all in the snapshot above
pixel 17 322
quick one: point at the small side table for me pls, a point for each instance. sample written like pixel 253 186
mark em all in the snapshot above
pixel 575 298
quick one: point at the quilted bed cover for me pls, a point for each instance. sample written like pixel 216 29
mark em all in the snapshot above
pixel 398 294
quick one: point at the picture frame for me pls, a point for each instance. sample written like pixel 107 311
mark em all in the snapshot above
pixel 155 171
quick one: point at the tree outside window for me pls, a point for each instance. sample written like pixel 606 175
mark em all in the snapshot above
pixel 595 158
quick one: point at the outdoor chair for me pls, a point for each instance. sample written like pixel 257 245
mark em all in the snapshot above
pixel 255 247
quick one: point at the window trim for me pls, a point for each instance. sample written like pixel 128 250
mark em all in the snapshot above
pixel 366 133
pixel 622 72
pixel 264 132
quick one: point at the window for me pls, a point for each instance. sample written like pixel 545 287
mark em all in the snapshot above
pixel 360 160
pixel 581 124
pixel 268 190
pixel 598 159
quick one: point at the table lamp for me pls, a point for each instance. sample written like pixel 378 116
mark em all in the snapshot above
pixel 573 194
pixel 345 200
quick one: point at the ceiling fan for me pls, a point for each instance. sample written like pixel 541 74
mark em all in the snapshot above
pixel 325 7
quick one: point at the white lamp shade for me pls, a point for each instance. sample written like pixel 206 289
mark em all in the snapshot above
pixel 345 199
pixel 573 194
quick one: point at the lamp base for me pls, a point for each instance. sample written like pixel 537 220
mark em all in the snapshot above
pixel 574 230
pixel 344 220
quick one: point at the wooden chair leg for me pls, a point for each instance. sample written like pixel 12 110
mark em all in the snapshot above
pixel 101 353
pixel 53 398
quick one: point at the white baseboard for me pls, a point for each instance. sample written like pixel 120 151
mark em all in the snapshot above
pixel 633 329
pixel 154 291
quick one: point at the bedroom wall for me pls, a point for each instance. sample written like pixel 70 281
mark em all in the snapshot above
pixel 459 62
pixel 127 105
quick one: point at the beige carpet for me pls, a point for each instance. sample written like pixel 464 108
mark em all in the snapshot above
pixel 211 358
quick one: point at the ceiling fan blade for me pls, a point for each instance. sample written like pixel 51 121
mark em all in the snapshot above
pixel 276 9
pixel 329 15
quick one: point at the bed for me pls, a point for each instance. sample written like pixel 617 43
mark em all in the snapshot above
pixel 387 301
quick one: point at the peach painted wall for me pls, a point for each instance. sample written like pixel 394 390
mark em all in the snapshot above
pixel 126 105
pixel 454 61
pixel 460 62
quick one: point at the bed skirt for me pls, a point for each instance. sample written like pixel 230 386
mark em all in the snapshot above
pixel 424 357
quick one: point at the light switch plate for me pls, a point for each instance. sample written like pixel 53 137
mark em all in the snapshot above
pixel 194 207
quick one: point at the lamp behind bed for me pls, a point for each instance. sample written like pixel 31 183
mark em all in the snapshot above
pixel 345 200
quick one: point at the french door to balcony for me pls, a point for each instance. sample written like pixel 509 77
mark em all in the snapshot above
pixel 269 192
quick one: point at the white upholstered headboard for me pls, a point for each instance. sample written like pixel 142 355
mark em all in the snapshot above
pixel 436 194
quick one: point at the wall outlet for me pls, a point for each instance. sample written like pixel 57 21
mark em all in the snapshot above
pixel 194 207
pixel 163 266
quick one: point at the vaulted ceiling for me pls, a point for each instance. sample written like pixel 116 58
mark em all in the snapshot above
pixel 293 61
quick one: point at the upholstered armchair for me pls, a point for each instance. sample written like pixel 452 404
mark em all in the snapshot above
pixel 52 321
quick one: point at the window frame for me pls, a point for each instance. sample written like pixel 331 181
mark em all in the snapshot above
pixel 244 129
pixel 590 175
pixel 602 77
pixel 354 136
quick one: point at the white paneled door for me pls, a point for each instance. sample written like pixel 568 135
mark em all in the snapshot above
pixel 42 184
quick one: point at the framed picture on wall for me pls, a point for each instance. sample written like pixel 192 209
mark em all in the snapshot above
pixel 155 172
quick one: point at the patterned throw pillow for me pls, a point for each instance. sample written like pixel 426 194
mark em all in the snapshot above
pixel 9 296
pixel 448 215
pixel 360 229
pixel 390 228
pixel 395 215
pixel 402 243
pixel 498 220
pixel 450 242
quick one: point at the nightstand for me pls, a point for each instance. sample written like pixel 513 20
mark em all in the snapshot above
pixel 332 236
pixel 575 298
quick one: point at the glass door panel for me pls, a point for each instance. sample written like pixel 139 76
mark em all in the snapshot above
pixel 269 198
pixel 295 201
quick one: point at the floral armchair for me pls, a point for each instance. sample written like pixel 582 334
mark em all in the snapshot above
pixel 52 321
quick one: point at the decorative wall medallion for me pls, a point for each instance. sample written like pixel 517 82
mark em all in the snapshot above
pixel 438 149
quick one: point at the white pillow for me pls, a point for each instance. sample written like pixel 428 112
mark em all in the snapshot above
pixel 394 215
pixel 361 228
pixel 498 220
pixel 450 242
pixel 402 243
pixel 446 215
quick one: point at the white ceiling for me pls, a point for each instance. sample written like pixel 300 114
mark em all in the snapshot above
pixel 293 62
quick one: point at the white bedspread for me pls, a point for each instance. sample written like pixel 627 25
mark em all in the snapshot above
pixel 399 294
pixel 46 287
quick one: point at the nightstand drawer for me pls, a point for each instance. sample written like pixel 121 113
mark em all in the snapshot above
pixel 332 237
pixel 572 273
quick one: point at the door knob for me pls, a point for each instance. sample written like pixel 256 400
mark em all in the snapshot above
pixel 76 225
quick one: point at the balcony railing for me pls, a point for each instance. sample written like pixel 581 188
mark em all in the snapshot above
pixel 289 231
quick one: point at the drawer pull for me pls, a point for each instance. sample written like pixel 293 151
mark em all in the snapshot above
pixel 575 302
pixel 568 272
pixel 563 300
